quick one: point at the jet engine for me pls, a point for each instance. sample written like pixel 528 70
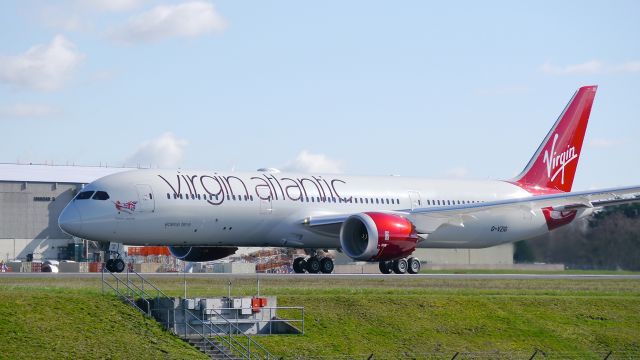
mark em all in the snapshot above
pixel 374 236
pixel 201 253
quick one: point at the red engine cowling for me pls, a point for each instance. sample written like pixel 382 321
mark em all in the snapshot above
pixel 201 253
pixel 374 236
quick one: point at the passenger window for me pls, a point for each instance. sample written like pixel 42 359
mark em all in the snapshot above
pixel 101 195
pixel 168 196
pixel 387 201
pixel 84 195
pixel 420 202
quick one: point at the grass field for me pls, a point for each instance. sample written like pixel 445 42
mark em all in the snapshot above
pixel 345 318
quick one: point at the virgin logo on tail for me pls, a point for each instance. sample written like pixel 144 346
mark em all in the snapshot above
pixel 553 166
pixel 556 162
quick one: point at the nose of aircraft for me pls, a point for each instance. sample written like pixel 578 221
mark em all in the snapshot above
pixel 70 220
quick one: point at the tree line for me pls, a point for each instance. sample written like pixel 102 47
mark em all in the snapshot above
pixel 608 239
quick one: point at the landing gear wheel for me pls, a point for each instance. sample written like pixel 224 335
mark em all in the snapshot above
pixel 400 266
pixel 118 265
pixel 414 265
pixel 298 265
pixel 109 265
pixel 326 265
pixel 313 265
pixel 385 267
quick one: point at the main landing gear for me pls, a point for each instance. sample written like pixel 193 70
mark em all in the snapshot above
pixel 400 266
pixel 313 265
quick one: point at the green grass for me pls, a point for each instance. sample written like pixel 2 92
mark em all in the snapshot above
pixel 57 322
pixel 353 318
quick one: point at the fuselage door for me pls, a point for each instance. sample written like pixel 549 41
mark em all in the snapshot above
pixel 416 202
pixel 145 198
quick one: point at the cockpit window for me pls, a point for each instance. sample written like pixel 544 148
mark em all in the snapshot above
pixel 101 195
pixel 84 195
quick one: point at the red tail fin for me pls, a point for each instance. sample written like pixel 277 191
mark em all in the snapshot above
pixel 554 165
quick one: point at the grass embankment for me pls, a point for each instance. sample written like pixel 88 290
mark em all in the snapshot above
pixel 404 317
pixel 49 323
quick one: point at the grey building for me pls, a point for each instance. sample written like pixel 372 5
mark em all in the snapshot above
pixel 31 199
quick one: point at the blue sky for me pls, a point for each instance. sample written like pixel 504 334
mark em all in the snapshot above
pixel 448 89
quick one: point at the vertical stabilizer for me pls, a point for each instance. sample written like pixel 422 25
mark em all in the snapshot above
pixel 554 164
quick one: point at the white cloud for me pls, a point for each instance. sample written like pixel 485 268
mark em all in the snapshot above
pixel 164 151
pixel 62 20
pixel 166 21
pixel 590 67
pixel 28 111
pixel 628 67
pixel 111 5
pixel 313 163
pixel 601 143
pixel 42 67
pixel 79 15
pixel 457 172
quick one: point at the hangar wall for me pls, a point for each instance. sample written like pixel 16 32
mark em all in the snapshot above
pixel 28 219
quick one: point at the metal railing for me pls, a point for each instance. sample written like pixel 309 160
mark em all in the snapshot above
pixel 239 343
pixel 129 290
pixel 218 312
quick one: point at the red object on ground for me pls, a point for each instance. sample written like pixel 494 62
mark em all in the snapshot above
pixel 148 250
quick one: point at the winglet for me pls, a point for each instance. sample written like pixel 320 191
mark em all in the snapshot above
pixel 554 164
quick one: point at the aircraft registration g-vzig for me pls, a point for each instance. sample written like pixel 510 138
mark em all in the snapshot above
pixel 206 215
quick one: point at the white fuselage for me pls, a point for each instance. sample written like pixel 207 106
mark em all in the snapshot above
pixel 204 208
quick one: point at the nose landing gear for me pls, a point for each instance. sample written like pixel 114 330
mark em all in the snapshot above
pixel 115 263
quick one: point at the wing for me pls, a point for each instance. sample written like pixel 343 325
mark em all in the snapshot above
pixel 429 219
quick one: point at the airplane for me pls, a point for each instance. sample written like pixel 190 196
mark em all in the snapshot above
pixel 207 215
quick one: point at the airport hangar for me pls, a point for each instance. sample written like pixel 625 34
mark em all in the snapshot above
pixel 32 197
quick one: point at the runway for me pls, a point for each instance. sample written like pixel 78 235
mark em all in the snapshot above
pixel 345 276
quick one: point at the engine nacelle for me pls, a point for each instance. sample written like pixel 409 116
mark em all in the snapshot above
pixel 374 236
pixel 201 253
